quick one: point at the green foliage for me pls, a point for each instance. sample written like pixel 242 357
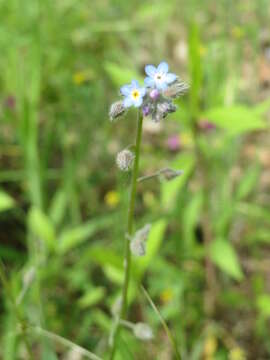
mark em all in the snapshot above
pixel 41 227
pixel 236 119
pixel 73 237
pixel 224 256
pixel 6 201
pixel 63 204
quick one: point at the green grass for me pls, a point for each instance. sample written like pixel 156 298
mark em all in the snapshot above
pixel 62 200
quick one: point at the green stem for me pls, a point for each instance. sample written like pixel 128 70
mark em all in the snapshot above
pixel 15 308
pixel 127 258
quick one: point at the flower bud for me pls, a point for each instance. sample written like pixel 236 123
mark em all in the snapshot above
pixel 169 174
pixel 138 241
pixel 143 331
pixel 138 247
pixel 124 160
pixel 154 94
pixel 176 89
pixel 116 110
pixel 146 110
pixel 162 110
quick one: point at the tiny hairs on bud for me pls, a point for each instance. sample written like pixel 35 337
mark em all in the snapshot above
pixel 124 160
pixel 138 241
pixel 116 110
pixel 169 174
pixel 143 331
pixel 175 90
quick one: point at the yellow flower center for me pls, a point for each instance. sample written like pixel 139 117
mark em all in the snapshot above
pixel 135 94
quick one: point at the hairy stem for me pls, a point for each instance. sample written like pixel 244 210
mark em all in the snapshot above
pixel 127 258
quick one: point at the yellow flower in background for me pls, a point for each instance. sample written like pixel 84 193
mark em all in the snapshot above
pixel 237 32
pixel 80 77
pixel 186 139
pixel 237 354
pixel 210 347
pixel 112 198
pixel 166 295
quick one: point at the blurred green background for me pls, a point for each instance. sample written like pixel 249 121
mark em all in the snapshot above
pixel 63 202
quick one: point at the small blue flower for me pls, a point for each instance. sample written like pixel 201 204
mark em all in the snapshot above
pixel 133 94
pixel 159 77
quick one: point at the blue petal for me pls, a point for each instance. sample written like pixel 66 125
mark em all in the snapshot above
pixel 170 78
pixel 150 70
pixel 142 91
pixel 138 102
pixel 163 67
pixel 161 85
pixel 125 90
pixel 128 102
pixel 134 84
pixel 149 82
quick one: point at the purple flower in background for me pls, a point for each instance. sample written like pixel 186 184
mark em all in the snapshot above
pixel 133 94
pixel 174 143
pixel 159 77
pixel 10 102
pixel 206 125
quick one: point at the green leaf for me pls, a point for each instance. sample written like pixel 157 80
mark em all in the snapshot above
pixel 120 75
pixel 75 236
pixel 224 256
pixel 263 305
pixel 190 220
pixel 6 201
pixel 92 297
pixel 114 274
pixel 235 119
pixel 103 256
pixel 248 182
pixel 262 107
pixel 42 227
pixel 58 206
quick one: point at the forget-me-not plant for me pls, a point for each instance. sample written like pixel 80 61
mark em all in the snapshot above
pixel 154 100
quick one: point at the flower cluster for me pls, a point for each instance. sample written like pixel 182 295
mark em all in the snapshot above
pixel 155 98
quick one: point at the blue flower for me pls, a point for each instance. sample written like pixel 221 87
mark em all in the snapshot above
pixel 159 77
pixel 133 94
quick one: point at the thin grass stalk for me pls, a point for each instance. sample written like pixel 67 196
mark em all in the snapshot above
pixel 165 326
pixel 65 342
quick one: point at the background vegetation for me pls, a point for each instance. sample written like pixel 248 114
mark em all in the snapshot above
pixel 63 202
